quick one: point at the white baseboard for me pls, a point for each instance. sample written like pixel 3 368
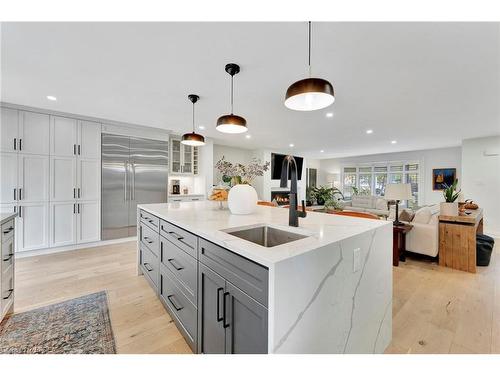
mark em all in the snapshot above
pixel 53 250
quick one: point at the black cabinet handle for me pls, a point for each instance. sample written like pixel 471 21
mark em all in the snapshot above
pixel 177 236
pixel 219 318
pixel 20 211
pixel 15 194
pixel 74 208
pixel 78 204
pixel 79 149
pixel 173 303
pixel 146 266
pixel 74 149
pixel 10 293
pixel 8 230
pixel 15 144
pixel 20 144
pixel 78 192
pixel 161 251
pixel 147 239
pixel 8 258
pixel 20 193
pixel 171 261
pixel 74 192
pixel 224 324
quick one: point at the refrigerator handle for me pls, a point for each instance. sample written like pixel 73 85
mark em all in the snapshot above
pixel 125 177
pixel 133 181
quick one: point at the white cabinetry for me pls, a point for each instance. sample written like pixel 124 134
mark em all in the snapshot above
pixel 183 158
pixel 50 175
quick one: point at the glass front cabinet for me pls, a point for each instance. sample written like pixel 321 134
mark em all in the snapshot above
pixel 183 159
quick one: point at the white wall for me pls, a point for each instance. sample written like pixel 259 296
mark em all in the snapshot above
pixel 437 158
pixel 481 178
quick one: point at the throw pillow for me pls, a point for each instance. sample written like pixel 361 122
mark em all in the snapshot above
pixel 381 204
pixel 406 215
pixel 423 215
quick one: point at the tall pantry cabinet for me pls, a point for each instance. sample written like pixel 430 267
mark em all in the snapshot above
pixel 50 175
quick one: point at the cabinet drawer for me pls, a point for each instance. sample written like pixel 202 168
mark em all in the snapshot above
pixel 7 256
pixel 7 230
pixel 7 292
pixel 150 220
pixel 250 277
pixel 172 294
pixel 150 239
pixel 182 265
pixel 180 237
pixel 149 265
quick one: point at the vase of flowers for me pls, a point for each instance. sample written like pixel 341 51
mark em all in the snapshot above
pixel 242 198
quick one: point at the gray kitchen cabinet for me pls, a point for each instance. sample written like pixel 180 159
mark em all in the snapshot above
pixel 211 331
pixel 245 321
pixel 229 321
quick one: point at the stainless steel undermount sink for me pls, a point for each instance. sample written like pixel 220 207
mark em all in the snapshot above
pixel 265 235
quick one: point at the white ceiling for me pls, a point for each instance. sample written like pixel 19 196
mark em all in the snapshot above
pixel 425 85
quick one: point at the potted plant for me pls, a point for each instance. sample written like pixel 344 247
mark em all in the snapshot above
pixel 324 193
pixel 334 204
pixel 242 198
pixel 450 206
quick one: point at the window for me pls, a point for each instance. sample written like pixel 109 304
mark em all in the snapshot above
pixel 372 180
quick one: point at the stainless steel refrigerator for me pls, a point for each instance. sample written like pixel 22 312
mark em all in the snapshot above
pixel 134 171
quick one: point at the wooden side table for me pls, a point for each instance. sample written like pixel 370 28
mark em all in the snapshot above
pixel 399 242
pixel 457 240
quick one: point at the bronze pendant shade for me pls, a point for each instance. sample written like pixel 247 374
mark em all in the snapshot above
pixel 232 124
pixel 193 139
pixel 309 94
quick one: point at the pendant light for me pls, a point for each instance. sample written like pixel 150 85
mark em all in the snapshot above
pixel 193 139
pixel 232 123
pixel 309 94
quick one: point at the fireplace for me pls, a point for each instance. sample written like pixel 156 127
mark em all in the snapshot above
pixel 281 197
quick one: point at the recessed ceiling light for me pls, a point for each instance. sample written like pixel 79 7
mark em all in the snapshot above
pixel 248 136
pixel 369 131
pixel 329 114
pixel 394 142
pixel 50 97
pixel 322 151
pixel 291 145
pixel 201 127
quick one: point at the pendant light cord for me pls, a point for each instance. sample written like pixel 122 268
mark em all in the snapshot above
pixel 309 50
pixel 193 117
pixel 232 78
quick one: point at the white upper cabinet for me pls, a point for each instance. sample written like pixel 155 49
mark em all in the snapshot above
pixel 63 181
pixel 88 222
pixel 89 143
pixel 63 218
pixel 182 158
pixel 9 133
pixel 64 136
pixel 8 177
pixel 34 130
pixel 33 179
pixel 88 182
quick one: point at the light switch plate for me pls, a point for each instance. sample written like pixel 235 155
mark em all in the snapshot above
pixel 356 264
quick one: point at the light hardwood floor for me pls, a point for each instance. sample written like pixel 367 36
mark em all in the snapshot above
pixel 435 309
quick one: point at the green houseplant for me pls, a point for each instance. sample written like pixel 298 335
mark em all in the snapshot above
pixel 450 206
pixel 325 193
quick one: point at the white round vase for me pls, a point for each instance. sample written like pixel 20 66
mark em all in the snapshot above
pixel 242 199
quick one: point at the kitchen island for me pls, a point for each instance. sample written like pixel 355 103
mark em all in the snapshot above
pixel 327 290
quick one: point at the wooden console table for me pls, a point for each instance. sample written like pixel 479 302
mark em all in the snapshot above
pixel 399 242
pixel 457 240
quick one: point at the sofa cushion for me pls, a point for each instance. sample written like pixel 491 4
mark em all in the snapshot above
pixel 363 201
pixel 381 204
pixel 423 215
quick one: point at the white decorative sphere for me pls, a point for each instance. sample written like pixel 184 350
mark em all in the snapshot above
pixel 242 199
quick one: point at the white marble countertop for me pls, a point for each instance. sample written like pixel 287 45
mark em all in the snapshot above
pixel 6 216
pixel 206 220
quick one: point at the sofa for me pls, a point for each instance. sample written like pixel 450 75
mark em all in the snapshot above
pixel 367 203
pixel 423 238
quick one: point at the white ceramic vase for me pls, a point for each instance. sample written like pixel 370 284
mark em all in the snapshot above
pixel 242 199
pixel 448 208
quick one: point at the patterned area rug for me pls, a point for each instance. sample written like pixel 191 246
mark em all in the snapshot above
pixel 77 326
